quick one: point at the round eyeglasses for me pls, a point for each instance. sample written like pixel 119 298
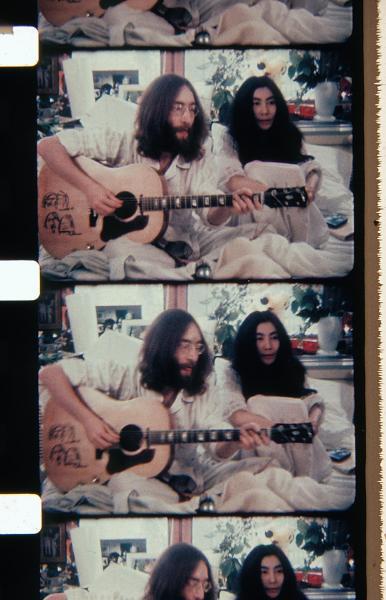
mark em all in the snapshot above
pixel 195 583
pixel 187 346
pixel 179 109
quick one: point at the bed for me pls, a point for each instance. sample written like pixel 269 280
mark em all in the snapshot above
pixel 272 490
pixel 274 257
pixel 267 22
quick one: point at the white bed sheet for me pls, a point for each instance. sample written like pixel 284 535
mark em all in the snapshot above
pixel 269 22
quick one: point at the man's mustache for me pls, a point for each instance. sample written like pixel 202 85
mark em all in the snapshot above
pixel 189 365
pixel 178 129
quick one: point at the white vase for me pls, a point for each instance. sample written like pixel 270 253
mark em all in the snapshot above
pixel 326 97
pixel 329 330
pixel 334 567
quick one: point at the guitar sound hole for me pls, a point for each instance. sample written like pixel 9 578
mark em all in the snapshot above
pixel 128 207
pixel 131 438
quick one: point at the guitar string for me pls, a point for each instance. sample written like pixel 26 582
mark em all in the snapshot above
pixel 149 203
pixel 289 429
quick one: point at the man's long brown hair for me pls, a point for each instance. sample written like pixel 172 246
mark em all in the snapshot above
pixel 172 571
pixel 153 131
pixel 158 367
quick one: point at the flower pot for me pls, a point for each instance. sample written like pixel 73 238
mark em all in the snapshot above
pixel 326 98
pixel 329 330
pixel 334 567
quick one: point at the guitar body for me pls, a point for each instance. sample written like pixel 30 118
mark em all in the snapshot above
pixel 58 12
pixel 65 221
pixel 70 459
pixel 146 437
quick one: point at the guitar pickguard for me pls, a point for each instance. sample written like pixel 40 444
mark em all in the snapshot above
pixel 113 229
pixel 118 461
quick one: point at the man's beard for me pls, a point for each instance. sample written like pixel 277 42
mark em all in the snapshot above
pixel 181 381
pixel 185 147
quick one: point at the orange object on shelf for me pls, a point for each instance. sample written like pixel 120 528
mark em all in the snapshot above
pixel 307 111
pixel 310 346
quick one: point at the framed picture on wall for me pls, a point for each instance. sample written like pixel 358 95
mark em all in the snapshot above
pixel 47 75
pixel 49 311
pixel 53 544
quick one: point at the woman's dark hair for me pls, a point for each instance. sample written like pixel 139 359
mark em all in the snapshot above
pixel 172 571
pixel 285 377
pixel 158 366
pixel 153 130
pixel 282 142
pixel 249 580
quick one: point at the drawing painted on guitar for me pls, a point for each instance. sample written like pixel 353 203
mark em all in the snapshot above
pixel 193 24
pixel 231 394
pixel 226 178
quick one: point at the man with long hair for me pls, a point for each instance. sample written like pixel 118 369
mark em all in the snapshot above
pixel 171 135
pixel 174 366
pixel 182 572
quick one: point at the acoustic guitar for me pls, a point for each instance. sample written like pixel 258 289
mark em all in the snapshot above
pixel 146 439
pixel 58 12
pixel 66 222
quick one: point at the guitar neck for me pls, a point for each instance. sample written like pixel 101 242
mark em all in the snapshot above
pixel 280 433
pixel 181 202
pixel 274 198
pixel 192 436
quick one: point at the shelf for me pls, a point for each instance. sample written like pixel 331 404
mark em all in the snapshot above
pixel 326 132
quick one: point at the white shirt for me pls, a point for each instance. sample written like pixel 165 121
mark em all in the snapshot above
pixel 122 382
pixel 296 224
pixel 228 383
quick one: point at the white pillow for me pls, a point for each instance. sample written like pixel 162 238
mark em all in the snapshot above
pixel 112 112
pixel 115 346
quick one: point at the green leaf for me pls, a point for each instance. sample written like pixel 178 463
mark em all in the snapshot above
pixel 226 567
pixel 229 81
pixel 294 306
pixel 233 315
pixel 302 526
pixel 291 71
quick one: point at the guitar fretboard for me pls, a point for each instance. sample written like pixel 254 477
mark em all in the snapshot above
pixel 281 433
pixel 176 202
pixel 274 198
pixel 192 436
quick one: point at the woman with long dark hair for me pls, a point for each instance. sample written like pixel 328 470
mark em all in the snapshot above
pixel 266 385
pixel 263 358
pixel 182 572
pixel 263 148
pixel 267 574
pixel 260 124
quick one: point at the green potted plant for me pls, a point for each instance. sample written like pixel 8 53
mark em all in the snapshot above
pixel 320 71
pixel 237 539
pixel 228 314
pixel 328 539
pixel 324 307
pixel 226 77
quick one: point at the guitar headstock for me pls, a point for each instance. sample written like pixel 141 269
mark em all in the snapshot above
pixel 300 433
pixel 286 197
